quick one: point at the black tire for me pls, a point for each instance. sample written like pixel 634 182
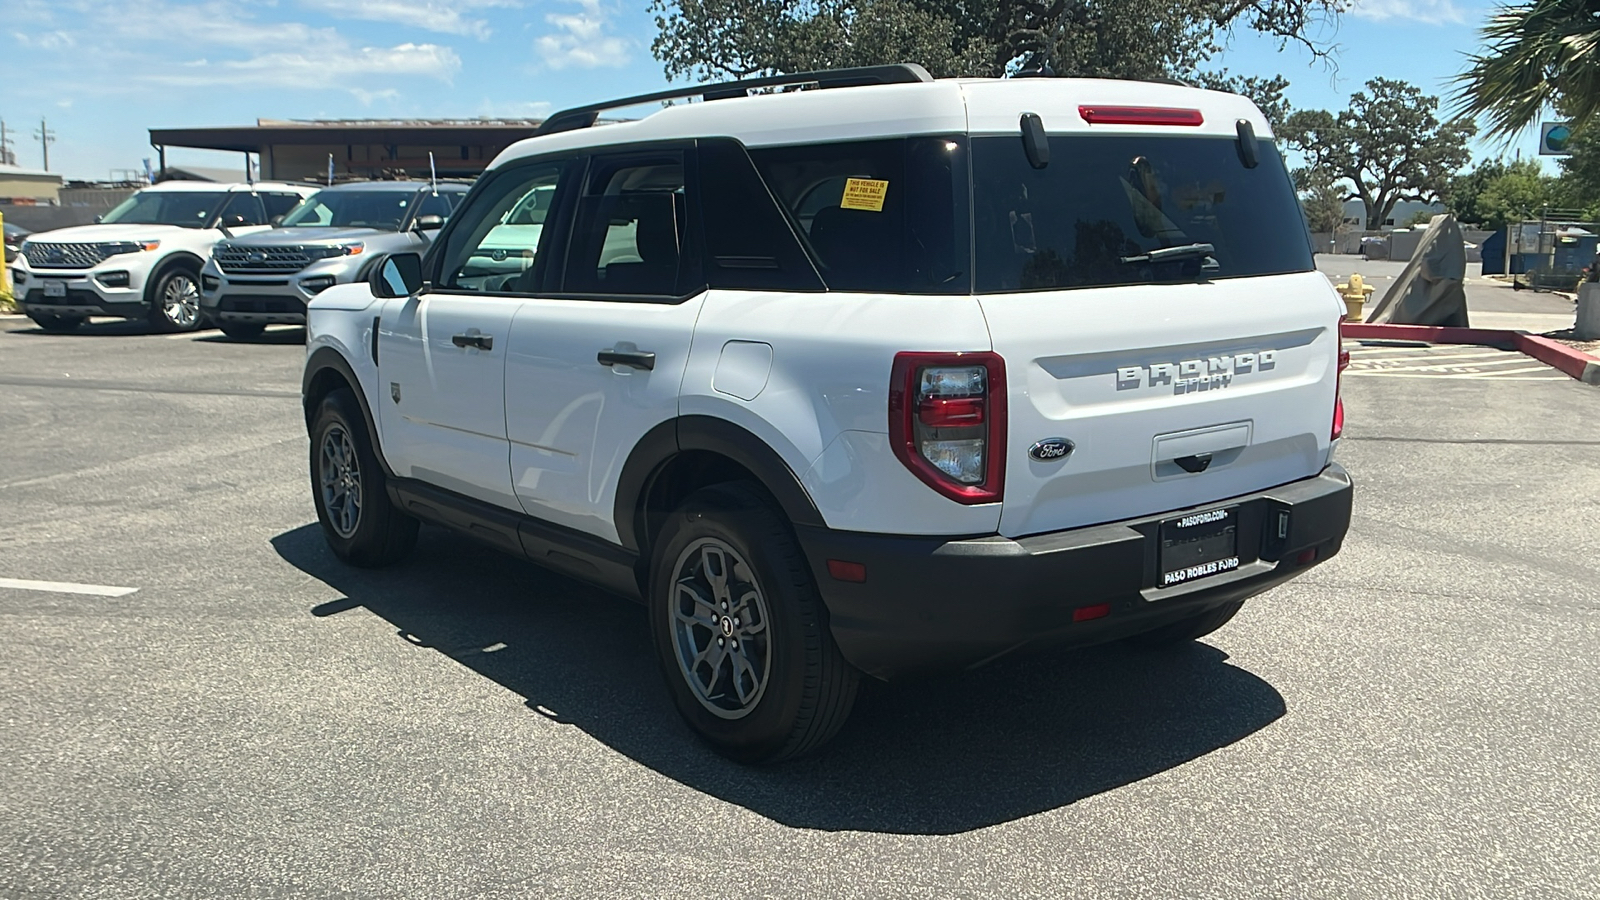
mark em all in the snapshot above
pixel 378 534
pixel 55 324
pixel 185 316
pixel 1185 631
pixel 808 688
pixel 241 331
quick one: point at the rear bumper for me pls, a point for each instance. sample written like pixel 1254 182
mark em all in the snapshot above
pixel 932 604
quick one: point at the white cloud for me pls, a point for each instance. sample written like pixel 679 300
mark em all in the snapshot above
pixel 442 16
pixel 1432 12
pixel 581 40
pixel 242 51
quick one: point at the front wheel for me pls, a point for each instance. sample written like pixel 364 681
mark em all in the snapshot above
pixel 175 303
pixel 741 631
pixel 361 524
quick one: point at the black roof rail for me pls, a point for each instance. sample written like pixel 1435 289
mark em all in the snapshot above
pixel 585 116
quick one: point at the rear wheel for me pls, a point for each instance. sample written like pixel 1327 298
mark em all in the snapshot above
pixel 1184 631
pixel 55 324
pixel 741 631
pixel 241 331
pixel 175 303
pixel 348 485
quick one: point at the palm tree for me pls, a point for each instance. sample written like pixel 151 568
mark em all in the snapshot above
pixel 1542 53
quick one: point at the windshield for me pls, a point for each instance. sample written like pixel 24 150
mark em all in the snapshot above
pixel 351 209
pixel 187 209
pixel 1094 215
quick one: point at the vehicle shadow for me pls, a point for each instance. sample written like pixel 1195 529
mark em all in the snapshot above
pixel 940 756
pixel 272 336
pixel 100 327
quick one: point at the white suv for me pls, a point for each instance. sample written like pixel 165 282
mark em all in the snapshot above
pixel 901 376
pixel 143 259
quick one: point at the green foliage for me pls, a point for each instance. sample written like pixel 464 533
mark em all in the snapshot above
pixel 1322 200
pixel 1540 54
pixel 1389 145
pixel 1580 174
pixel 1462 192
pixel 1141 39
pixel 1420 217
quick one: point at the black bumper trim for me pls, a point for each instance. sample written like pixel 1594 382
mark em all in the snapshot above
pixel 79 302
pixel 935 603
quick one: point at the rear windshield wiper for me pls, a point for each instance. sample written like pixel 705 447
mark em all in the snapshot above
pixel 1172 254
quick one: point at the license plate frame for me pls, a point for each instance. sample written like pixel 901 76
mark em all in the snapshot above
pixel 55 288
pixel 1197 545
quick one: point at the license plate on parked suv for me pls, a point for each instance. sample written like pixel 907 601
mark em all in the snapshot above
pixel 54 288
pixel 1199 544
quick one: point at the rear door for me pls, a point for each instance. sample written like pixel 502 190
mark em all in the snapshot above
pixel 1155 301
pixel 597 360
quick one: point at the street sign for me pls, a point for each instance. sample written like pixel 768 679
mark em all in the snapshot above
pixel 1554 138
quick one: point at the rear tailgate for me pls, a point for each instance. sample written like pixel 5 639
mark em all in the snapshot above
pixel 1173 395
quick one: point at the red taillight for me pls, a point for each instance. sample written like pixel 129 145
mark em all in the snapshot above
pixel 843 570
pixel 1097 611
pixel 947 415
pixel 1338 401
pixel 1140 115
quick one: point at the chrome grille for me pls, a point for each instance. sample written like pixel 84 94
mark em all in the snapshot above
pixel 237 260
pixel 64 256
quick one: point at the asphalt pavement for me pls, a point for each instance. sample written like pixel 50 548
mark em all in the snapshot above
pixel 1416 718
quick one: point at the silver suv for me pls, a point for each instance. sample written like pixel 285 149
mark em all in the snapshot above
pixel 261 279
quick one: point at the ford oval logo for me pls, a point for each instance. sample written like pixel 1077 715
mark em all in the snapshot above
pixel 1051 450
pixel 256 256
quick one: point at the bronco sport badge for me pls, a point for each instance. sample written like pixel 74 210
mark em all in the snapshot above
pixel 1190 375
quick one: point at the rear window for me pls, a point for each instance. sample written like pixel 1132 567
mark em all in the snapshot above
pixel 1104 203
pixel 881 216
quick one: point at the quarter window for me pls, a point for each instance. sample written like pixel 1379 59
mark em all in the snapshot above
pixel 243 209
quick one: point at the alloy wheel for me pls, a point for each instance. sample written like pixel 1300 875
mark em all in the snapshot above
pixel 719 628
pixel 339 477
pixel 180 301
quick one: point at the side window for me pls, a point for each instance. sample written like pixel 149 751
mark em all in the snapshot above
pixel 440 204
pixel 628 238
pixel 494 251
pixel 749 243
pixel 279 204
pixel 243 209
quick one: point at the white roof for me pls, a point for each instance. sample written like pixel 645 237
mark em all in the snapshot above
pixel 18 171
pixel 948 106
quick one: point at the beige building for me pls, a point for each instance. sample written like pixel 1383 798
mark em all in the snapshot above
pixel 29 187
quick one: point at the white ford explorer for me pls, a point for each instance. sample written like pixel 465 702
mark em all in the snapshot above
pixel 884 376
pixel 143 259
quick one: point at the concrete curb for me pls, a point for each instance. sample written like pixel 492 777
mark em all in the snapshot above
pixel 1555 354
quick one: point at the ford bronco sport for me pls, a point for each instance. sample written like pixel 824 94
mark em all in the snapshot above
pixel 880 376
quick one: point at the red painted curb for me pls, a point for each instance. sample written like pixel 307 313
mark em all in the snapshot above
pixel 1572 361
pixel 1555 354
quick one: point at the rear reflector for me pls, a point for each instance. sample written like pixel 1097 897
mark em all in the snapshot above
pixel 1097 611
pixel 1307 557
pixel 1141 115
pixel 847 571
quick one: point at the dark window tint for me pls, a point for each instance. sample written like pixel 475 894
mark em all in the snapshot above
pixel 440 204
pixel 750 245
pixel 883 216
pixel 628 236
pixel 189 209
pixel 279 204
pixel 243 209
pixel 1103 204
pixel 493 246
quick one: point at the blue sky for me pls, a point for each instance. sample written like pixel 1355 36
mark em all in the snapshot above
pixel 105 71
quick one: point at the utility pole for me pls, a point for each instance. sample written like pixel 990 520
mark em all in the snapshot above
pixel 46 138
pixel 6 156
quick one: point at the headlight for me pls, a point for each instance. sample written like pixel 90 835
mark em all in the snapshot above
pixel 352 249
pixel 116 248
pixel 316 284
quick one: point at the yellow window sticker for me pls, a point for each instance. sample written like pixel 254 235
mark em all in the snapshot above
pixel 864 193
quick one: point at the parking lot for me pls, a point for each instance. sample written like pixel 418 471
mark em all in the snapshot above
pixel 1416 718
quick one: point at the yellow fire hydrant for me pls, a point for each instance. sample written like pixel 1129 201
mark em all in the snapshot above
pixel 5 273
pixel 1355 293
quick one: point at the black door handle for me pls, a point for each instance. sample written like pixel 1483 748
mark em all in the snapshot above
pixel 1194 464
pixel 637 359
pixel 481 341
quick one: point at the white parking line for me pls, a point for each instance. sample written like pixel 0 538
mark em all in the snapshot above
pixel 66 587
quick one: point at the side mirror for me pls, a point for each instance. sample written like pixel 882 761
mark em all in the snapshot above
pixel 275 221
pixel 427 223
pixel 396 275
pixel 97 219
